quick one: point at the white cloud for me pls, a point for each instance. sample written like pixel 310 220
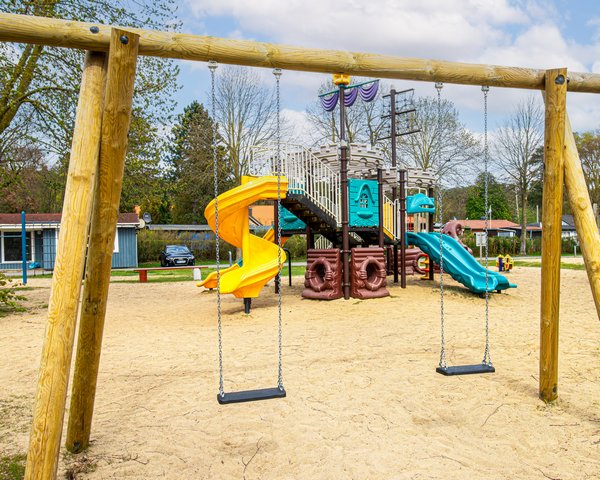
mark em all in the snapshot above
pixel 301 133
pixel 385 26
pixel 508 32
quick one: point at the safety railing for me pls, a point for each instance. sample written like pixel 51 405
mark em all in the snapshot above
pixel 306 175
pixel 322 243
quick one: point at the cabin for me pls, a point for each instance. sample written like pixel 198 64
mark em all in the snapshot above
pixel 42 237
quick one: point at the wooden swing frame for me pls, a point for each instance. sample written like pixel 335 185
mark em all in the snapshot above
pixel 95 176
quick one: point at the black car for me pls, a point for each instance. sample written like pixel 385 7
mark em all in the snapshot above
pixel 176 256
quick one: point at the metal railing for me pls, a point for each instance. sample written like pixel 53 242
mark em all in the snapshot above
pixel 322 243
pixel 306 175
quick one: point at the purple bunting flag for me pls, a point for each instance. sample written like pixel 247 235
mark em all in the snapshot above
pixel 350 97
pixel 369 92
pixel 330 102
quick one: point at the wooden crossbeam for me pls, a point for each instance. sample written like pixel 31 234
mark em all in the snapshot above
pixel 80 35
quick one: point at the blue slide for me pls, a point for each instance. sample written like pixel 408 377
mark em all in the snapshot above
pixel 458 262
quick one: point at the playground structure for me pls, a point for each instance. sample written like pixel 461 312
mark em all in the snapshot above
pixel 97 157
pixel 376 215
pixel 314 205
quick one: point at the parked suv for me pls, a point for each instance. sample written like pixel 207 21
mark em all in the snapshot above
pixel 176 255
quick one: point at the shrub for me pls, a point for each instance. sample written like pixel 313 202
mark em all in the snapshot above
pixel 151 243
pixel 297 246
pixel 9 299
pixel 503 245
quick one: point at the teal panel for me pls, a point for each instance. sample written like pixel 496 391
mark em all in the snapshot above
pixel 420 203
pixel 289 221
pixel 363 203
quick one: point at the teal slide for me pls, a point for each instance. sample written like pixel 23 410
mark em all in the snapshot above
pixel 458 262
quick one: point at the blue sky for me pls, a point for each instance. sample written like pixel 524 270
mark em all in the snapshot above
pixel 527 33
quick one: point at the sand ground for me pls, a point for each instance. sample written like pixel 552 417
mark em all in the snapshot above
pixel 364 401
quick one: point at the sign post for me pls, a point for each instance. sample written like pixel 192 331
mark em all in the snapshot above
pixel 24 247
pixel 480 241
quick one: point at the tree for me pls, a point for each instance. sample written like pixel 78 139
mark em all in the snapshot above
pixel 497 201
pixel 191 164
pixel 246 113
pixel 517 147
pixel 588 145
pixel 442 145
pixel 39 85
pixel 455 202
pixel 144 183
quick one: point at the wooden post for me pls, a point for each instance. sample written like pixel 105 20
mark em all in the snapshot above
pixel 115 128
pixel 583 213
pixel 554 145
pixel 51 396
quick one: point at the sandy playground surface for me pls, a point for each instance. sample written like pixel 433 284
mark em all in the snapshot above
pixel 364 401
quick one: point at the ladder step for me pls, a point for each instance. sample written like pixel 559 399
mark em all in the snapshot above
pixel 466 369
pixel 251 395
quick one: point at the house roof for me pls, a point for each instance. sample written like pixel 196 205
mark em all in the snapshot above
pixel 569 220
pixel 495 225
pixel 51 219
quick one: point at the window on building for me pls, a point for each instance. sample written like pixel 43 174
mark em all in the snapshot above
pixel 11 247
pixel 116 245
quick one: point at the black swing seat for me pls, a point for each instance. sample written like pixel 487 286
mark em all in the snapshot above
pixel 251 395
pixel 465 369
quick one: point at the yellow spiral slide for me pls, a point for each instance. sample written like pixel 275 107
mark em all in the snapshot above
pixel 259 255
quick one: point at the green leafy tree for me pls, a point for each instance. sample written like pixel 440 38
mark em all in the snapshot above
pixel 144 183
pixel 588 146
pixel 191 165
pixel 455 201
pixel 497 201
pixel 39 87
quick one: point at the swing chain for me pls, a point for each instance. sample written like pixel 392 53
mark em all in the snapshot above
pixel 277 74
pixel 212 66
pixel 487 359
pixel 443 361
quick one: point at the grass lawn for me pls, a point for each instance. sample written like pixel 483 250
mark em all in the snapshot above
pixel 12 467
pixel 183 275
pixel 566 266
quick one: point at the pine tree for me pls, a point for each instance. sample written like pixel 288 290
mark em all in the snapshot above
pixel 191 165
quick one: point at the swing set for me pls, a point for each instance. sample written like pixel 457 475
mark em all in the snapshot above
pixel 94 185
